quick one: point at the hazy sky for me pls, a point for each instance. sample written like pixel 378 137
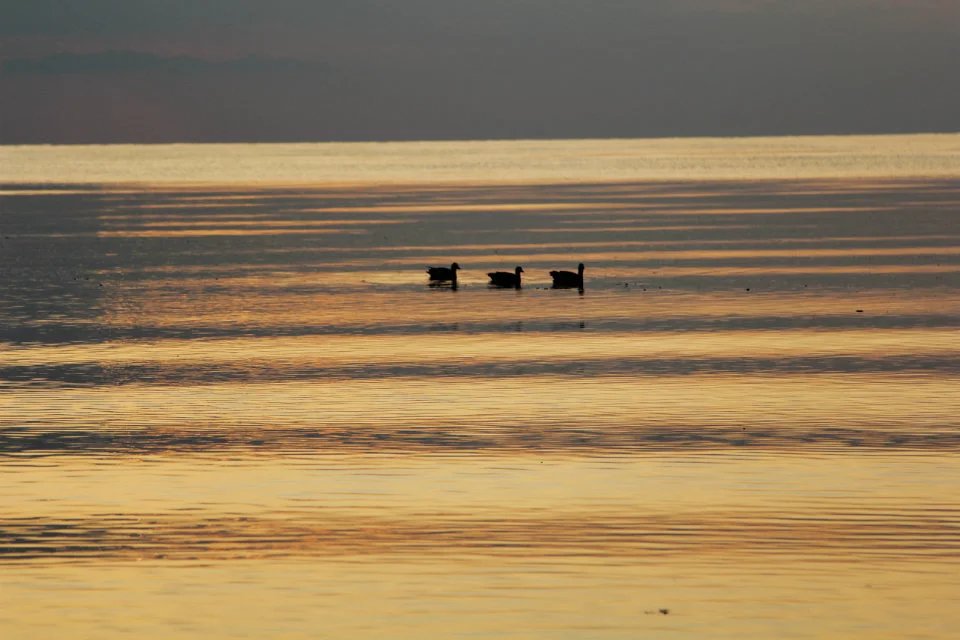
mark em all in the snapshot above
pixel 289 70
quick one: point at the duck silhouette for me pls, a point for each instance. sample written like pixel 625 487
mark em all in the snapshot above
pixel 441 274
pixel 568 279
pixel 506 279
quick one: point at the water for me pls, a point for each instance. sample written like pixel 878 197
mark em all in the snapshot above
pixel 230 405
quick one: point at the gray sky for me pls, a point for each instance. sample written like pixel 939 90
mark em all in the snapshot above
pixel 305 70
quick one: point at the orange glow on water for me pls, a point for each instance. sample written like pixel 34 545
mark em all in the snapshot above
pixel 241 410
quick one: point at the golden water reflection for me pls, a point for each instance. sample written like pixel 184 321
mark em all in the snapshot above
pixel 231 411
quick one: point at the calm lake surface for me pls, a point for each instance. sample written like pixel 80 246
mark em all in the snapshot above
pixel 231 406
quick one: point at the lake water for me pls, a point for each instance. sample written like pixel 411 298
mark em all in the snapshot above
pixel 231 406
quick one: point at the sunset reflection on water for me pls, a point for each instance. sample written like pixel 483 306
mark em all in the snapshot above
pixel 240 410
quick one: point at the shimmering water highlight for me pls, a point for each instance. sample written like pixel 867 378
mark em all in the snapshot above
pixel 236 409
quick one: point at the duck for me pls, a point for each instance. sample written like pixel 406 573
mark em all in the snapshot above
pixel 443 273
pixel 568 279
pixel 505 278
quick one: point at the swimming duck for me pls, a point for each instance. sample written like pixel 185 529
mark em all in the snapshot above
pixel 568 279
pixel 443 273
pixel 505 278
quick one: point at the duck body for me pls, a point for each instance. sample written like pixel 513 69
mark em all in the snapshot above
pixel 506 279
pixel 440 274
pixel 568 279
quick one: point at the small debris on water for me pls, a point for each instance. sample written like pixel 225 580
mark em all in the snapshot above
pixel 859 310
